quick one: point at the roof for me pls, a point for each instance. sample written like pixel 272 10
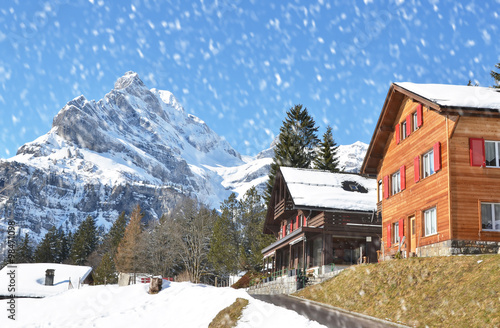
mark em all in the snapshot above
pixel 442 98
pixel 327 190
pixel 456 96
pixel 30 278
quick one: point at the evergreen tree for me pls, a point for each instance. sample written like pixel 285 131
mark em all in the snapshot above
pixel 326 158
pixel 85 241
pixel 496 76
pixel 126 254
pixel 252 239
pixel 296 143
pixel 46 251
pixel 223 253
pixel 115 234
pixel 24 250
pixel 105 272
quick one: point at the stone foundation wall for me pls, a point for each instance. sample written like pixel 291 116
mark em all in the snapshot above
pixel 456 247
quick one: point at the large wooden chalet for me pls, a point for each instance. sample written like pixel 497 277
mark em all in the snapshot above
pixel 320 218
pixel 436 155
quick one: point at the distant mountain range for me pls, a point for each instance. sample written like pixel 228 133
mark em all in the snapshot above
pixel 134 146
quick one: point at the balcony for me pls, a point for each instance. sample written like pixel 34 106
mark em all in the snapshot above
pixel 282 208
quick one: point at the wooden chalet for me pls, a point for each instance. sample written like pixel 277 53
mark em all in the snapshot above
pixel 436 155
pixel 320 218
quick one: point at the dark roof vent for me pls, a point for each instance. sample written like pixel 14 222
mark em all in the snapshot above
pixel 353 187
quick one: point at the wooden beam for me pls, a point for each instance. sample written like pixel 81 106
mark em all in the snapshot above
pixel 386 128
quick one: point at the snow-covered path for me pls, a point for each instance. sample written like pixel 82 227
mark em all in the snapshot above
pixel 177 305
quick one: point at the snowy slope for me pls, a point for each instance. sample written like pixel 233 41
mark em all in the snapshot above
pixel 177 305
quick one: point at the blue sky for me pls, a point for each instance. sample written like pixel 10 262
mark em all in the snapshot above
pixel 239 65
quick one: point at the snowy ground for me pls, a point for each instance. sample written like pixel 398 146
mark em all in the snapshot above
pixel 177 305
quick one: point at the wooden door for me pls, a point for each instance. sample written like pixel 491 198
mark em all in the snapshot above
pixel 413 235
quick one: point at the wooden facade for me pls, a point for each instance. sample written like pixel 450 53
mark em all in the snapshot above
pixel 437 212
pixel 310 236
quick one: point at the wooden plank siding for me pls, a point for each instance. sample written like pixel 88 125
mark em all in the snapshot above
pixel 427 192
pixel 472 185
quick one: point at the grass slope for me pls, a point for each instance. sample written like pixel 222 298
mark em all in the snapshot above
pixel 456 291
pixel 228 317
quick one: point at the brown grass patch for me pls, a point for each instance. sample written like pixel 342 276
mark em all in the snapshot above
pixel 228 317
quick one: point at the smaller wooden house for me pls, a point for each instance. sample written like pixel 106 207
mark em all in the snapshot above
pixel 321 218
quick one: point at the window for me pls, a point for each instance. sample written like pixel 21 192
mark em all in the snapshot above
pixel 396 183
pixel 395 233
pixel 490 216
pixel 415 121
pixel 491 153
pixel 428 164
pixel 403 130
pixel 430 222
pixel 380 190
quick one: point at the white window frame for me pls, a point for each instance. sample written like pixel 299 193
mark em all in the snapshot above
pixel 430 222
pixel 495 219
pixel 395 232
pixel 403 130
pixel 497 152
pixel 395 183
pixel 415 121
pixel 428 164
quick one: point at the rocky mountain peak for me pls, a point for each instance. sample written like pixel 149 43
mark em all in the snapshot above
pixel 129 79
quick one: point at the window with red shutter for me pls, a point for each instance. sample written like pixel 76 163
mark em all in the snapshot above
pixel 408 125
pixel 437 156
pixel 402 176
pixel 420 120
pixel 397 134
pixel 297 222
pixel 389 235
pixel 416 168
pixel 305 221
pixel 386 187
pixel 476 150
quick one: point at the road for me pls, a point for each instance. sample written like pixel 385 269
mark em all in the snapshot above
pixel 324 315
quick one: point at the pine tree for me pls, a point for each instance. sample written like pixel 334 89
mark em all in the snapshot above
pixel 46 251
pixel 126 255
pixel 84 241
pixel 326 158
pixel 223 253
pixel 105 272
pixel 296 143
pixel 496 76
pixel 24 250
pixel 114 236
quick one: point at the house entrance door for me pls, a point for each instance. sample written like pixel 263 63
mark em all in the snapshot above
pixel 413 235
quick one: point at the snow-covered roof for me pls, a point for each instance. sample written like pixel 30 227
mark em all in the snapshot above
pixel 460 96
pixel 30 278
pixel 323 189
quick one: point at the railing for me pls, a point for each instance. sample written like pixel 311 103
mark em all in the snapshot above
pixel 279 209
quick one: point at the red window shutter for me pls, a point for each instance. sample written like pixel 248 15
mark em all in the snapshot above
pixel 437 156
pixel 401 229
pixel 386 187
pixel 283 231
pixel 397 134
pixel 420 120
pixel 402 177
pixel 305 221
pixel 297 222
pixel 291 225
pixel 476 150
pixel 408 125
pixel 389 235
pixel 416 168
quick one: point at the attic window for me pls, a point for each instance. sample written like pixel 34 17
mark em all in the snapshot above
pixel 353 186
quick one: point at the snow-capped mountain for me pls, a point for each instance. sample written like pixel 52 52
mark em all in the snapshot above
pixel 134 146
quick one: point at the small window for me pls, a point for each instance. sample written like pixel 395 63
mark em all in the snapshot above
pixel 428 164
pixel 395 233
pixel 491 149
pixel 396 183
pixel 490 216
pixel 403 130
pixel 380 190
pixel 415 121
pixel 430 222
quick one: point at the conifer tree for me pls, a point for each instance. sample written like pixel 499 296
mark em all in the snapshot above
pixel 115 235
pixel 223 253
pixel 326 157
pixel 105 272
pixel 296 143
pixel 24 250
pixel 496 76
pixel 85 241
pixel 126 255
pixel 46 251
